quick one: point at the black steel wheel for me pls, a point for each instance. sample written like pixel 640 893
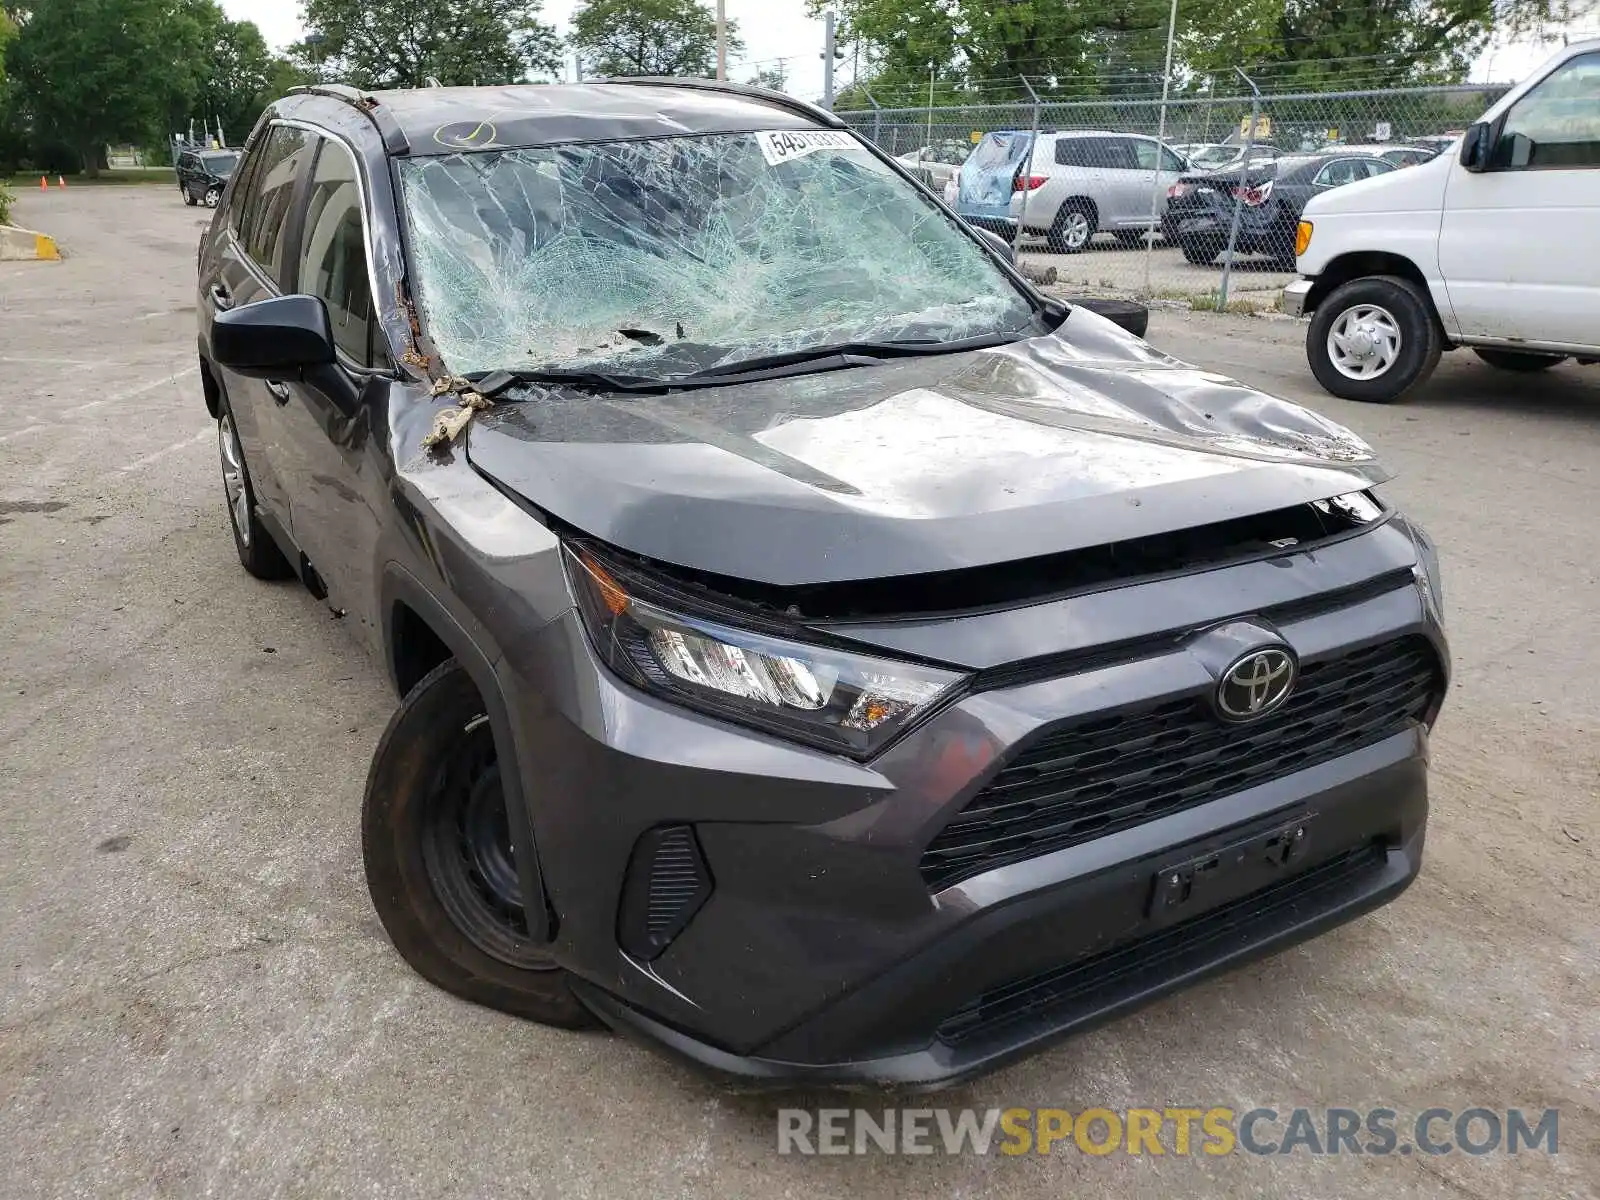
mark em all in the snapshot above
pixel 441 861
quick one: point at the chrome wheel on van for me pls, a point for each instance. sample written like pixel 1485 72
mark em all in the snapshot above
pixel 1364 341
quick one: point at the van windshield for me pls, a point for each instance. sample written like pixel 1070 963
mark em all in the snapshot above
pixel 221 165
pixel 670 256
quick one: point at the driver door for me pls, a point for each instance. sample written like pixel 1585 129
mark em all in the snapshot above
pixel 1517 244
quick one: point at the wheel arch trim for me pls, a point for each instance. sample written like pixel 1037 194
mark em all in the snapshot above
pixel 400 587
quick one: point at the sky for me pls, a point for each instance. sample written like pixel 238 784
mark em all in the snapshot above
pixel 776 30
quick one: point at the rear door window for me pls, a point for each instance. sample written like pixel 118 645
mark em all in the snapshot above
pixel 333 251
pixel 283 159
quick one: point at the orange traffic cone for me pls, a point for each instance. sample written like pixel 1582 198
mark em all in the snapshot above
pixel 43 186
pixel 62 180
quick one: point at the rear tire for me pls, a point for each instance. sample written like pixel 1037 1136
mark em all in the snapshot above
pixel 435 842
pixel 1518 360
pixel 188 198
pixel 258 553
pixel 1392 340
pixel 1134 238
pixel 1201 254
pixel 1074 228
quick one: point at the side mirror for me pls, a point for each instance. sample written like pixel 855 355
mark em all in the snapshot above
pixel 997 243
pixel 281 338
pixel 1477 144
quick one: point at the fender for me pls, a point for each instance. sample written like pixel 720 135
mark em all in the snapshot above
pixel 398 585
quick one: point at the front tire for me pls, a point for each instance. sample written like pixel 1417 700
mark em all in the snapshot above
pixel 1374 339
pixel 1518 360
pixel 213 196
pixel 258 553
pixel 440 867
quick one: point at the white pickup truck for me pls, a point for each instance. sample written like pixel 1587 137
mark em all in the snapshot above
pixel 1495 245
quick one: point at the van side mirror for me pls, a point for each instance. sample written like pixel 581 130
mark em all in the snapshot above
pixel 996 243
pixel 274 339
pixel 1477 145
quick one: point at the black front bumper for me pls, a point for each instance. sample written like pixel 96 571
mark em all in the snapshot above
pixel 823 942
pixel 1016 977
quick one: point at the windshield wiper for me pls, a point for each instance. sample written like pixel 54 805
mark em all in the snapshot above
pixel 748 370
pixel 852 354
pixel 492 383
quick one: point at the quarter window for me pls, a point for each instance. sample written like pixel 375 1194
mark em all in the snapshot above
pixel 283 158
pixel 1557 124
pixel 333 251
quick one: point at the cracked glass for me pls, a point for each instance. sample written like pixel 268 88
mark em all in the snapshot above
pixel 663 257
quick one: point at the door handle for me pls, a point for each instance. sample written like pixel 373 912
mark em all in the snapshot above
pixel 279 391
pixel 220 297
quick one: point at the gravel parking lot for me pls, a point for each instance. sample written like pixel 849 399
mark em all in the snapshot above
pixel 1107 267
pixel 198 997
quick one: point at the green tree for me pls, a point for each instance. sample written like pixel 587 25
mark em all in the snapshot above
pixel 90 72
pixel 402 43
pixel 237 85
pixel 649 37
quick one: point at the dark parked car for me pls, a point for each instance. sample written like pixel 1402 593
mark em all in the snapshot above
pixel 203 175
pixel 1271 196
pixel 821 653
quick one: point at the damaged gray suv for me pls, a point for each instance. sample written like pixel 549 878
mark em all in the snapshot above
pixel 822 655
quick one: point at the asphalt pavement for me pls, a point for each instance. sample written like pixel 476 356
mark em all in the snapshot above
pixel 199 1001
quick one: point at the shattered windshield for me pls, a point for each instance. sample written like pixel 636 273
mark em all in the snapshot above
pixel 674 255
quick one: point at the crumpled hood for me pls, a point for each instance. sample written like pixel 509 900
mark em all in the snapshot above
pixel 1082 438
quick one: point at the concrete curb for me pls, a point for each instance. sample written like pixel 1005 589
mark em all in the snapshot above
pixel 24 245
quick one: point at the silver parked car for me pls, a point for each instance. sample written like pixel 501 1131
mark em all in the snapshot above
pixel 1072 186
pixel 936 165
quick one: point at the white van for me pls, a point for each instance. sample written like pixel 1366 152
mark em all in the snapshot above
pixel 1495 246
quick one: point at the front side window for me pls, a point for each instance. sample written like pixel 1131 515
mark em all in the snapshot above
pixel 1557 124
pixel 284 156
pixel 673 255
pixel 333 252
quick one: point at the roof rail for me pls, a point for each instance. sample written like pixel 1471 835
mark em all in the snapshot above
pixel 394 138
pixel 766 95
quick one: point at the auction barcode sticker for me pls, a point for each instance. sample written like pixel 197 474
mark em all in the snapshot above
pixel 797 143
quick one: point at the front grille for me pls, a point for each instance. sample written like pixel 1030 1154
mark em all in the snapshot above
pixel 1089 778
pixel 1100 980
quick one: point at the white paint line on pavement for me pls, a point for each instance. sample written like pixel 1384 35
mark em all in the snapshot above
pixel 130 393
pixel 49 362
pixel 23 432
pixel 172 449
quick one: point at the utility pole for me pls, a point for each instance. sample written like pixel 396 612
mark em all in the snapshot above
pixel 827 61
pixel 722 39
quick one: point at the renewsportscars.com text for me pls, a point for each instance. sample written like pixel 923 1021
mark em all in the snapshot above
pixel 1178 1132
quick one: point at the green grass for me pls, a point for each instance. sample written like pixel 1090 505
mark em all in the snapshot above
pixel 1249 302
pixel 23 180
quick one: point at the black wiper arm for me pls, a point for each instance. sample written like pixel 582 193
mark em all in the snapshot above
pixel 494 382
pixel 899 348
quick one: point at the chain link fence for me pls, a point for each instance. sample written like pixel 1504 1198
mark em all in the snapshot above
pixel 1193 200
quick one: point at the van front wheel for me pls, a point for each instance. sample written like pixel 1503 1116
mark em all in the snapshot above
pixel 1374 339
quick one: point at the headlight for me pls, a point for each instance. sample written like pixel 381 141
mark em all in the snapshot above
pixel 836 699
pixel 1427 571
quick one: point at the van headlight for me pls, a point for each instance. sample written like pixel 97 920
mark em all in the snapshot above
pixel 835 699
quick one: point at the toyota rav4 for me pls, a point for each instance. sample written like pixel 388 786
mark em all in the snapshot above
pixel 821 653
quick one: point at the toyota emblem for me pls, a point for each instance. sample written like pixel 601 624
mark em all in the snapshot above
pixel 1255 685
